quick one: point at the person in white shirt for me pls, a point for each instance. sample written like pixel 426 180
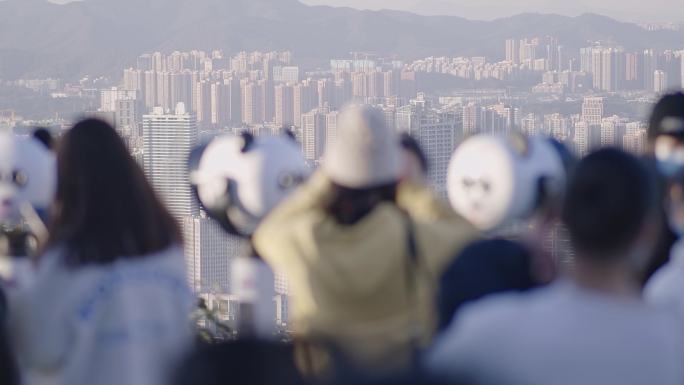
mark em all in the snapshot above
pixel 591 327
pixel 109 303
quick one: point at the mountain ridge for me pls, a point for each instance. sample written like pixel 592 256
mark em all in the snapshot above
pixel 39 38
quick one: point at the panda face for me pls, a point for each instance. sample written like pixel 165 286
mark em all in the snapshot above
pixel 481 181
pixel 27 176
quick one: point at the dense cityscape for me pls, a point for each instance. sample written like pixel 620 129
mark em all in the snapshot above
pixel 169 102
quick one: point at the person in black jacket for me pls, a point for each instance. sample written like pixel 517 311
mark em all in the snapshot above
pixel 666 155
pixel 8 369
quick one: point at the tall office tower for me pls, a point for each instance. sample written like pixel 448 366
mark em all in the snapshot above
pixel 284 105
pixel 513 51
pixel 592 110
pixel 436 130
pixel 167 142
pixel 150 90
pixel 471 119
pixel 326 93
pixel 251 103
pixel 203 102
pixel 612 131
pixel 303 100
pixel 208 252
pixel 181 88
pixel 659 81
pixel 314 129
pixel 650 66
pixel 359 85
pixel 158 62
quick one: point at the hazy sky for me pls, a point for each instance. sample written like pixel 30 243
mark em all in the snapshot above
pixel 628 10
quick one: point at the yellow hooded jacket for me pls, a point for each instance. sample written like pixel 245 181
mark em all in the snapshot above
pixel 350 284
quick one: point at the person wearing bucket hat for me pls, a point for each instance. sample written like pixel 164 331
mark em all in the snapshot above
pixel 362 263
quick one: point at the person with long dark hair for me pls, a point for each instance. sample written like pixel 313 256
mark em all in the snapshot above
pixel 109 303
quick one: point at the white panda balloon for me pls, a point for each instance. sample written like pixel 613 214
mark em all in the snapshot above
pixel 494 180
pixel 239 179
pixel 28 175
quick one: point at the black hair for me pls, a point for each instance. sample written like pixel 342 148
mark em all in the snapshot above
pixel 611 194
pixel 44 136
pixel 247 362
pixel 105 209
pixel 348 206
pixel 410 144
pixel 671 105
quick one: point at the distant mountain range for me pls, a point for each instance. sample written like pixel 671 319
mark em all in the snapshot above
pixel 38 38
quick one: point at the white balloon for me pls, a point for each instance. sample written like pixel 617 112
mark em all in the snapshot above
pixel 262 176
pixel 28 174
pixel 494 180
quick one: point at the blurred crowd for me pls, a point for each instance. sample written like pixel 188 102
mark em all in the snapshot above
pixel 389 282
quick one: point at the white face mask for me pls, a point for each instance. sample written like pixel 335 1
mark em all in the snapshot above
pixel 669 152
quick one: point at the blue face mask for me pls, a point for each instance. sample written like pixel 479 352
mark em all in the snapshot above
pixel 669 167
pixel 669 153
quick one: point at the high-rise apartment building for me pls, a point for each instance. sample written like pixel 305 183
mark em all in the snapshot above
pixel 314 132
pixel 660 84
pixel 208 252
pixel 592 110
pixel 437 132
pixel 650 66
pixel 168 138
pixel 284 105
pixel 513 51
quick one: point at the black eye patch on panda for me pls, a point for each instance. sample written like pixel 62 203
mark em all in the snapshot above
pixel 16 177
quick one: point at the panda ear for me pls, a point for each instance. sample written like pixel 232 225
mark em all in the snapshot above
pixel 289 134
pixel 247 141
pixel 44 136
